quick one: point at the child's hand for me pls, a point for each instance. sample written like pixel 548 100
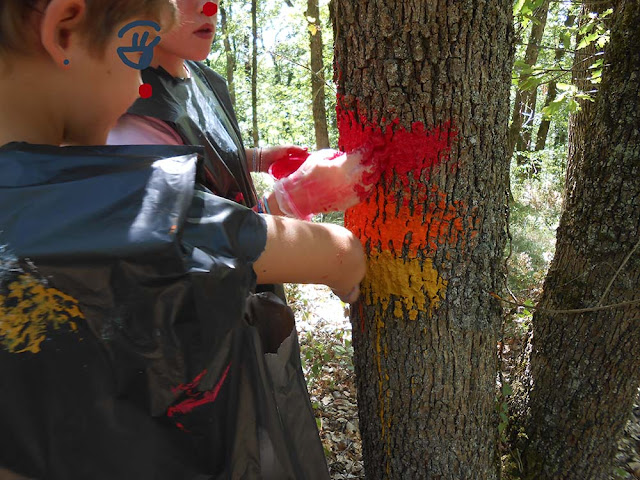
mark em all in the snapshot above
pixel 349 297
pixel 271 155
pixel 327 181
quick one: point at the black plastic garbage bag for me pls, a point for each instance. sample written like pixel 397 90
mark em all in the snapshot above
pixel 131 346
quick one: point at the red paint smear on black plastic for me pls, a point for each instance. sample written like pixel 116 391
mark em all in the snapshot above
pixel 196 398
pixel 392 148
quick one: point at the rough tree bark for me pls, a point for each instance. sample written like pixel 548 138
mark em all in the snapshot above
pixel 525 101
pixel 317 75
pixel 229 54
pixel 427 84
pixel 254 73
pixel 585 367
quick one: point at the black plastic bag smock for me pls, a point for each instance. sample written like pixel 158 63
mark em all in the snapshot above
pixel 199 109
pixel 126 349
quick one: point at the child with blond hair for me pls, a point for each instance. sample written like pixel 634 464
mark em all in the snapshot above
pixel 126 344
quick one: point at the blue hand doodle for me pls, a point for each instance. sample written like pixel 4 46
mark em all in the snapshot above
pixel 139 44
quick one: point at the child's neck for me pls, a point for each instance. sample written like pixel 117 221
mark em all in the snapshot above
pixel 27 113
pixel 173 64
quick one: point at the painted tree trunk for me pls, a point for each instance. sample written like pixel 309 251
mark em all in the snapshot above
pixel 426 85
pixel 229 53
pixel 585 367
pixel 317 75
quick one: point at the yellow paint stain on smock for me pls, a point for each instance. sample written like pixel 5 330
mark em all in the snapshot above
pixel 29 309
pixel 417 287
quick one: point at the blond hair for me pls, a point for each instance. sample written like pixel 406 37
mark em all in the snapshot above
pixel 101 19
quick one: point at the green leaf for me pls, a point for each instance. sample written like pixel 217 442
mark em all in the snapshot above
pixel 573 106
pixel 586 28
pixel 530 83
pixel 517 7
pixel 565 40
pixel 507 390
pixel 504 417
pixel 587 40
pixel 520 64
pixel 606 13
pixel 603 40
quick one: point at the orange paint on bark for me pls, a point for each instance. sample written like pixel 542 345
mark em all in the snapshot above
pixel 392 227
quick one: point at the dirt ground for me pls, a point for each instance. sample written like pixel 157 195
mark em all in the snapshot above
pixel 325 339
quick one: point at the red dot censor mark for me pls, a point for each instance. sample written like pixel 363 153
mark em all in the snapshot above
pixel 210 9
pixel 145 90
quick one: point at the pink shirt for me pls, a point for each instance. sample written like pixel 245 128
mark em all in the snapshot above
pixel 139 130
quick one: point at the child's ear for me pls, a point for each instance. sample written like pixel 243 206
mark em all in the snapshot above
pixel 59 28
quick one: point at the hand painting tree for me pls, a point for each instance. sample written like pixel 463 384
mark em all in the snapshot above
pixel 585 367
pixel 425 85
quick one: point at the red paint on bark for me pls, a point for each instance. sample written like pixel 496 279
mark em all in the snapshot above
pixel 392 148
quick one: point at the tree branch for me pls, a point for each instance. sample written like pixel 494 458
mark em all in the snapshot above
pixel 569 311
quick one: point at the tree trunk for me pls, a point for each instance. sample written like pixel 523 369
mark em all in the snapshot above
pixel 254 73
pixel 545 124
pixel 585 367
pixel 525 101
pixel 229 54
pixel 427 84
pixel 317 75
pixel 552 92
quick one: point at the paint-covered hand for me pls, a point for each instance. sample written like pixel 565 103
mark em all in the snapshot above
pixel 328 181
pixel 271 155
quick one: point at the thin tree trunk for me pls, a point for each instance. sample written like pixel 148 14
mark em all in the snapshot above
pixel 254 73
pixel 552 92
pixel 229 54
pixel 317 75
pixel 585 367
pixel 525 101
pixel 413 80
pixel 545 124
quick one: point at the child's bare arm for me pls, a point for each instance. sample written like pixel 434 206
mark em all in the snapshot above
pixel 303 252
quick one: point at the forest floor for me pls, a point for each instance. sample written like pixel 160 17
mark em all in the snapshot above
pixel 325 342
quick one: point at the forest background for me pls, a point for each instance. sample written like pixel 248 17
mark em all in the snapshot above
pixel 278 59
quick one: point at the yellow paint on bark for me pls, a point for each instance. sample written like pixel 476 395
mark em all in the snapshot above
pixel 29 309
pixel 416 286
